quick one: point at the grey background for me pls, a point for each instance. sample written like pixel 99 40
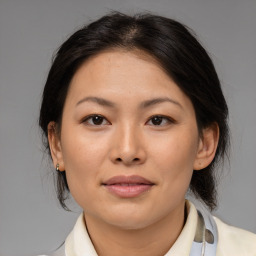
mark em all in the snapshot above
pixel 30 31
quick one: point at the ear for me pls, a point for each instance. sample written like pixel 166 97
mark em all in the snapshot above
pixel 55 145
pixel 207 146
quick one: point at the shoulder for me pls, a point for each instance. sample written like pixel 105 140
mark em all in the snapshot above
pixel 234 241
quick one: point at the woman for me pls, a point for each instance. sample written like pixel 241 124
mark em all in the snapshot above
pixel 135 117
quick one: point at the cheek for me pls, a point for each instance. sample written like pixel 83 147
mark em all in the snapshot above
pixel 174 158
pixel 177 148
pixel 81 149
pixel 83 156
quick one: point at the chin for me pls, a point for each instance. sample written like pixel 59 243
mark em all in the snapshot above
pixel 131 223
pixel 129 220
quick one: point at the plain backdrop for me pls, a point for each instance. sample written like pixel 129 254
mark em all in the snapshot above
pixel 31 221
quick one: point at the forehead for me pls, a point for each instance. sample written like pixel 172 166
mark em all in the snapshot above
pixel 120 62
pixel 123 73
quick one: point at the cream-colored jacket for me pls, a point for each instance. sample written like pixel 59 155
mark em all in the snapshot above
pixel 232 241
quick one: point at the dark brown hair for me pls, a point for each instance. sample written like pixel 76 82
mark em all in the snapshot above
pixel 180 54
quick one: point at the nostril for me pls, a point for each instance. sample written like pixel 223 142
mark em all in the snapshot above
pixel 134 160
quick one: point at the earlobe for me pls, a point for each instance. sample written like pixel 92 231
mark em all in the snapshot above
pixel 207 146
pixel 55 146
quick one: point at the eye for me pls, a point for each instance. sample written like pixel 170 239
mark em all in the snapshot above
pixel 96 120
pixel 159 120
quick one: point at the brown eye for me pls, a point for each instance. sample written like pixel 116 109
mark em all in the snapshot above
pixel 160 120
pixel 157 120
pixel 95 120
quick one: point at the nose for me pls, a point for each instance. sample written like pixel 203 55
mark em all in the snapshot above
pixel 127 146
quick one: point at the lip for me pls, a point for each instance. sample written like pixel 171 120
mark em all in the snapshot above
pixel 128 186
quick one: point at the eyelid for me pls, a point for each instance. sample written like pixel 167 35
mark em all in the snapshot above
pixel 85 120
pixel 168 118
pixel 164 117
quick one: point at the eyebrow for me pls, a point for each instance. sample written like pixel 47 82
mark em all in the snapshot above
pixel 144 104
pixel 151 102
pixel 100 101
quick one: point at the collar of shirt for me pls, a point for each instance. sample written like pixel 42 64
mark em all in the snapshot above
pixel 79 243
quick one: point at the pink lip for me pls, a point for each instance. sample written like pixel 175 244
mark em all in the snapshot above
pixel 128 186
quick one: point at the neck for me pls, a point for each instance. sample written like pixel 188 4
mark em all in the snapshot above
pixel 154 239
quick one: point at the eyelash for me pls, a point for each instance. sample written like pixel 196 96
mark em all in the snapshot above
pixel 86 120
pixel 168 120
pixel 102 118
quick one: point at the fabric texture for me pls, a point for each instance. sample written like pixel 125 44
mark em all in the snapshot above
pixel 231 240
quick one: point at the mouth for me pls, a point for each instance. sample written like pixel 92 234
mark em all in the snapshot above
pixel 128 186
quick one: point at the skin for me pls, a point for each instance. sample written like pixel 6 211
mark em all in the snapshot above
pixel 127 141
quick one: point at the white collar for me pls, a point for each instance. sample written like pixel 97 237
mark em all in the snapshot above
pixel 79 243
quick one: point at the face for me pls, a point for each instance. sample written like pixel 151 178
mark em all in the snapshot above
pixel 129 140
